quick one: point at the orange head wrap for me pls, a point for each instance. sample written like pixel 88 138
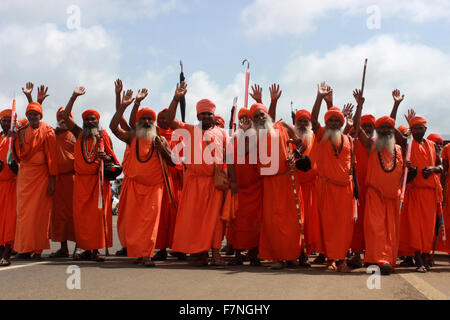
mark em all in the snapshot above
pixel 90 112
pixel 417 121
pixel 35 106
pixel 6 113
pixel 256 107
pixel 206 105
pixel 220 120
pixel 384 120
pixel 22 122
pixel 435 138
pixel 60 113
pixel 303 114
pixel 368 119
pixel 403 129
pixel 335 112
pixel 244 112
pixel 159 114
pixel 145 112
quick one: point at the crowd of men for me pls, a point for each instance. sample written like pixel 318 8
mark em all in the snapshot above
pixel 336 187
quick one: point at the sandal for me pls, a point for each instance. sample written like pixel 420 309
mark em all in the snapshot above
pixel 84 256
pixel 161 255
pixel 122 252
pixel 331 265
pixel 4 262
pixel 343 267
pixel 59 254
pixel 407 262
pixel 355 262
pixel 303 262
pixel 320 259
pixel 147 262
pixel 421 269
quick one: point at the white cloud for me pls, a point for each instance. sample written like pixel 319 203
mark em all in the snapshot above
pixel 421 72
pixel 289 17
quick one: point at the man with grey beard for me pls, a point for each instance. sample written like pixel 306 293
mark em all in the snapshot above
pixel 383 182
pixel 280 239
pixel 334 186
pixel 93 225
pixel 144 189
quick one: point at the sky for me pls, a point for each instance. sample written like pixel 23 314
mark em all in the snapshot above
pixel 295 43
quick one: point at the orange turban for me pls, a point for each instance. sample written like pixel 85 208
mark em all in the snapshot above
pixel 206 105
pixel 435 138
pixel 368 119
pixel 335 112
pixel 60 113
pixel 35 106
pixel 244 112
pixel 22 122
pixel 417 121
pixel 403 129
pixel 220 120
pixel 145 112
pixel 6 113
pixel 383 120
pixel 303 114
pixel 162 111
pixel 90 112
pixel 256 107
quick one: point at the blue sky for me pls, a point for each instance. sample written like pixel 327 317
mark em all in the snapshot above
pixel 296 43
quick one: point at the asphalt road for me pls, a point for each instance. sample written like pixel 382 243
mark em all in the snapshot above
pixel 119 278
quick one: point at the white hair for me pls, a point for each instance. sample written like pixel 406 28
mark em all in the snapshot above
pixel 145 133
pixel 385 142
pixel 305 133
pixel 334 135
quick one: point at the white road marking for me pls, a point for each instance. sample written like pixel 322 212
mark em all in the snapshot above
pixel 430 292
pixel 23 265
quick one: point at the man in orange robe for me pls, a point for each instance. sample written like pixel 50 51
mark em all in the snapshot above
pixel 143 192
pixel 35 148
pixel 422 198
pixel 245 227
pixel 92 224
pixel 280 239
pixel 441 245
pixel 198 226
pixel 335 186
pixel 61 222
pixel 308 185
pixel 8 175
pixel 168 209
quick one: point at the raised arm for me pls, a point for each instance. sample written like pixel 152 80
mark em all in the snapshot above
pixel 398 98
pixel 329 98
pixel 42 94
pixel 125 136
pixel 347 110
pixel 28 90
pixel 257 93
pixel 179 93
pixel 322 91
pixel 142 94
pixel 275 94
pixel 361 134
pixel 118 87
pixel 71 125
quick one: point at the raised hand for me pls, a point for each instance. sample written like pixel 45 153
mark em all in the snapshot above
pixel 127 99
pixel 275 92
pixel 142 94
pixel 28 88
pixel 118 86
pixel 42 93
pixel 397 96
pixel 329 97
pixel 347 110
pixel 358 97
pixel 411 114
pixel 257 93
pixel 180 91
pixel 323 89
pixel 79 91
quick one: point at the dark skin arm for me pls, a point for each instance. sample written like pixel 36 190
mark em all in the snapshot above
pixel 179 93
pixel 28 90
pixel 347 110
pixel 275 94
pixel 42 94
pixel 142 94
pixel 232 176
pixel 365 140
pixel 398 98
pixel 118 87
pixel 329 98
pixel 322 91
pixel 71 125
pixel 125 136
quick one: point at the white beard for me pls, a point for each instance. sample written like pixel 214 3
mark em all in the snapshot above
pixel 268 125
pixel 145 133
pixel 90 132
pixel 385 142
pixel 334 136
pixel 306 135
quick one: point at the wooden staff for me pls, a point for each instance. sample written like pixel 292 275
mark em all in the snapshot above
pixel 247 81
pixel 101 195
pixel 297 203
